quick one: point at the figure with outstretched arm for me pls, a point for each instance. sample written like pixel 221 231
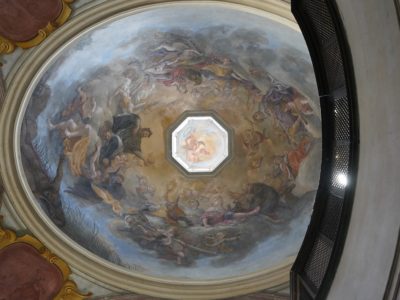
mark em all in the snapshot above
pixel 128 128
pixel 86 145
pixel 214 217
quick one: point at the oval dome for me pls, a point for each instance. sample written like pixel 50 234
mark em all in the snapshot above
pixel 182 141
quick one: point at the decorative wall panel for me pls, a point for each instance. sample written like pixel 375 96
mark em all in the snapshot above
pixel 25 23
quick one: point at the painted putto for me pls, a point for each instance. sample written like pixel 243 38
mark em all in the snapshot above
pixel 94 141
pixel 200 144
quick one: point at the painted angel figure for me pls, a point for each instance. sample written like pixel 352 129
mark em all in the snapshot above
pixel 128 128
pixel 195 148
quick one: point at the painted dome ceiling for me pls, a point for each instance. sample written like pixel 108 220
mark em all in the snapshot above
pixel 182 141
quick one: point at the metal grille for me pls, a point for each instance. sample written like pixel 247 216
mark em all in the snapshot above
pixel 321 20
pixel 342 119
pixel 331 219
pixel 334 65
pixel 322 246
pixel 340 178
pixel 304 294
pixel 318 14
pixel 318 262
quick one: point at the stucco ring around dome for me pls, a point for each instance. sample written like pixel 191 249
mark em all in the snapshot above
pixel 79 149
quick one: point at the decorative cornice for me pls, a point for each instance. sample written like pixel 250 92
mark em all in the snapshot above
pixel 8 46
pixel 263 295
pixel 2 99
pixel 69 289
pixel 2 96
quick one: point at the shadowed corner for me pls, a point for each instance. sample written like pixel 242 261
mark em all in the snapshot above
pixel 28 270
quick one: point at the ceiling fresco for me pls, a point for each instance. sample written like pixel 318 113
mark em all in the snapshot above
pixel 96 137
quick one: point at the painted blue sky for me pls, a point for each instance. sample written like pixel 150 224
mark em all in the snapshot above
pixel 123 36
pixel 240 35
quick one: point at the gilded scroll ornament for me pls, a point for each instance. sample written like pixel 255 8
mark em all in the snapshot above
pixel 28 245
pixel 8 46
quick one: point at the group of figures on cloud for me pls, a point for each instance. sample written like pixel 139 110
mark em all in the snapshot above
pixel 182 64
pixel 99 159
pixel 177 226
pixel 181 230
pixel 289 114
pixel 100 155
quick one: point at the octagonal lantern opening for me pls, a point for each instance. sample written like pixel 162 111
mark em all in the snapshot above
pixel 199 143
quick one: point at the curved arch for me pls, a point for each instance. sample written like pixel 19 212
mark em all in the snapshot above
pixel 314 269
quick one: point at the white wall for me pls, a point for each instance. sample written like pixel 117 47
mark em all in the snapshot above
pixel 374 36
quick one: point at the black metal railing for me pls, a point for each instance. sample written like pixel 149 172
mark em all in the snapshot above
pixel 313 271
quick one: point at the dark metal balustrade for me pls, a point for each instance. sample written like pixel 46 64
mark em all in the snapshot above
pixel 313 271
